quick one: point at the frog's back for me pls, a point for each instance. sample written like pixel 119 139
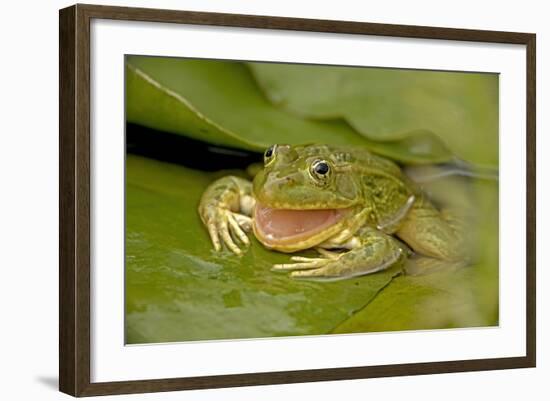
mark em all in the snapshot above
pixel 367 162
pixel 385 188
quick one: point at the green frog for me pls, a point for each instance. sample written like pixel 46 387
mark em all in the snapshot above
pixel 359 211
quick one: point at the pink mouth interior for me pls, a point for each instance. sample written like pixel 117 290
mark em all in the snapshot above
pixel 279 224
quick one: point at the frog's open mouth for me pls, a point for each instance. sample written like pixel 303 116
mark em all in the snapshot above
pixel 279 226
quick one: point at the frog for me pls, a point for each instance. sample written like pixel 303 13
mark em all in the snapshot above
pixel 356 210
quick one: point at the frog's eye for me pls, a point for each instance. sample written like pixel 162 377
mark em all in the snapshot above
pixel 320 170
pixel 269 155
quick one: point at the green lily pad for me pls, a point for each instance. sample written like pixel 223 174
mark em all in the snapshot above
pixel 219 102
pixel 384 104
pixel 179 289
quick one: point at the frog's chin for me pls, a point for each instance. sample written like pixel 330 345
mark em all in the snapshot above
pixel 289 230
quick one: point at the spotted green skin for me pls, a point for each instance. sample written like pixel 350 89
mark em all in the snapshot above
pixel 388 218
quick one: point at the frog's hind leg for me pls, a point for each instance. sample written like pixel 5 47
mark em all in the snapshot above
pixel 419 265
pixel 437 235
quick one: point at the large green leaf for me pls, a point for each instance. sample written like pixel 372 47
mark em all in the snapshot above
pixel 219 102
pixel 179 289
pixel 381 103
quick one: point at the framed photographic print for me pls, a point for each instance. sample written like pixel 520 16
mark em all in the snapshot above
pixel 252 200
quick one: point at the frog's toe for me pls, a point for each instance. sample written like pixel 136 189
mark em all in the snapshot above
pixel 326 271
pixel 228 240
pixel 236 230
pixel 306 260
pixel 244 222
pixel 304 274
pixel 328 254
pixel 213 232
pixel 303 264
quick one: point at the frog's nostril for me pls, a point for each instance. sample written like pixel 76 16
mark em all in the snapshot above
pixel 282 182
pixel 277 184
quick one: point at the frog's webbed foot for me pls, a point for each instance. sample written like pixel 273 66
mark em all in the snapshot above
pixel 375 251
pixel 219 211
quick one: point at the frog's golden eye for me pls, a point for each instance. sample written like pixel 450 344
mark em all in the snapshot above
pixel 320 171
pixel 269 155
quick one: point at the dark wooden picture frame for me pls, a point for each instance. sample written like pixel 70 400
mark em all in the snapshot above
pixel 74 205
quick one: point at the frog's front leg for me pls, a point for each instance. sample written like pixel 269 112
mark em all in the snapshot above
pixel 225 209
pixel 370 251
